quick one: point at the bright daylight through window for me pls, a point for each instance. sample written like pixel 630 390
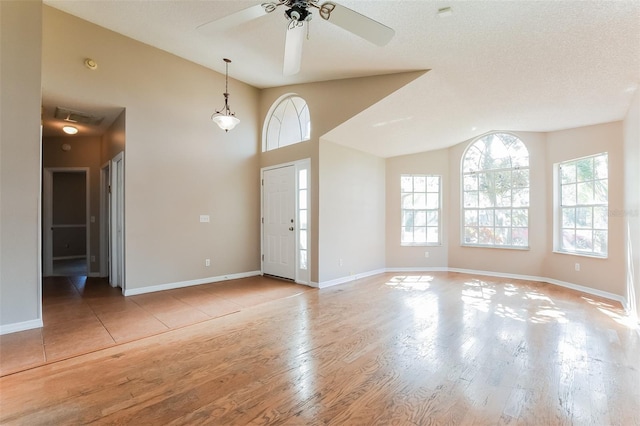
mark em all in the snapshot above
pixel 584 205
pixel 495 192
pixel 420 209
pixel 288 123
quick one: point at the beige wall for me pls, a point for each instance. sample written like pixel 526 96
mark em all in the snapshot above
pixel 510 261
pixel 428 163
pixel 20 53
pixel 600 274
pixel 352 212
pixel 69 200
pixel 84 152
pixel 179 165
pixel 632 203
pixel 113 141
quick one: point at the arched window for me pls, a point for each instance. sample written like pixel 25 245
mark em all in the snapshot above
pixel 288 122
pixel 495 192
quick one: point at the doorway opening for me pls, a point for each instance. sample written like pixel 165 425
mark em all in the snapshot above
pixel 66 195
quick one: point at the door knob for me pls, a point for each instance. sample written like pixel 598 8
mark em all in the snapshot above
pixel 291 228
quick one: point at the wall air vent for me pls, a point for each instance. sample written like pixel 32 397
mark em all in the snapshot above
pixel 77 116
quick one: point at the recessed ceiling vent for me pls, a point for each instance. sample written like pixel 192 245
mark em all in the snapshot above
pixel 77 116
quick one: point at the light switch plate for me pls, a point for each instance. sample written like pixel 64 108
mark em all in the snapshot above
pixel 204 218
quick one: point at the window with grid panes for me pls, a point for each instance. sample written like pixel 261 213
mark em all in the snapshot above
pixel 421 209
pixel 583 185
pixel 495 192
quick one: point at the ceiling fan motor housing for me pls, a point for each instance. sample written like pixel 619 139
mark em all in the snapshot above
pixel 299 12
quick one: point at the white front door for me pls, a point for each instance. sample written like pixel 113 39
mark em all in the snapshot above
pixel 279 222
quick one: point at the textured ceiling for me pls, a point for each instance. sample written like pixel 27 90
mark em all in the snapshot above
pixel 512 65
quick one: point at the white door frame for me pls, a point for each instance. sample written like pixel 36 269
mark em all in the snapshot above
pixel 105 215
pixel 47 201
pixel 117 223
pixel 302 276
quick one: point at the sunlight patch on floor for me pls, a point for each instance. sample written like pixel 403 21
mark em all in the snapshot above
pixel 410 282
pixel 616 313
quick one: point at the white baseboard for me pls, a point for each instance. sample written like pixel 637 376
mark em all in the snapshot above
pixel 592 291
pixel 577 287
pixel 20 326
pixel 349 278
pixel 181 284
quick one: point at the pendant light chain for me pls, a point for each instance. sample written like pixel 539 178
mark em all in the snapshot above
pixel 225 119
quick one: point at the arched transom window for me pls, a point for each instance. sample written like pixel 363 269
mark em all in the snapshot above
pixel 287 123
pixel 495 192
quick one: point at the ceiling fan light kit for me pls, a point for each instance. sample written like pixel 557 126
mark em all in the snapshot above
pixel 298 13
pixel 225 119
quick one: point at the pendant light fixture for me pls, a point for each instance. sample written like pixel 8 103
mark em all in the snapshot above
pixel 225 119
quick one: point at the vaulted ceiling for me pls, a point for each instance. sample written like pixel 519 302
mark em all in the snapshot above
pixel 494 65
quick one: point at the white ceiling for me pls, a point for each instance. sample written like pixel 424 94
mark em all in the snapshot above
pixel 495 65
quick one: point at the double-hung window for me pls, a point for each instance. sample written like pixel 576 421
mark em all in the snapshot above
pixel 421 209
pixel 583 189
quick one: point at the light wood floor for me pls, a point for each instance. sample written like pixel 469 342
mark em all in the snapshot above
pixel 412 349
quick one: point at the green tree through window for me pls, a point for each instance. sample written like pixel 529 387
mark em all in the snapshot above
pixel 584 205
pixel 495 192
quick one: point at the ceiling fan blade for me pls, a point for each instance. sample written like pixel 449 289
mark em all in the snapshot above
pixel 227 22
pixel 293 49
pixel 360 25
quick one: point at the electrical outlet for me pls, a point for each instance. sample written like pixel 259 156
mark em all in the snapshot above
pixel 577 267
pixel 93 258
pixel 341 262
pixel 426 254
pixel 204 218
pixel 207 262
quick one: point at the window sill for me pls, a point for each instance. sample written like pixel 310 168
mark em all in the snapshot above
pixel 420 244
pixel 571 253
pixel 496 247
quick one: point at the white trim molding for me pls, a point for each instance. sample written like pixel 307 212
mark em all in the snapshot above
pixel 588 290
pixel 181 284
pixel 347 279
pixel 20 326
pixel 577 287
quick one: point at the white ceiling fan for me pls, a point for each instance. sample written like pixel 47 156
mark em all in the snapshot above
pixel 298 14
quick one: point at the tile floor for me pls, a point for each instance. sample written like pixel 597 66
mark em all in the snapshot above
pixel 82 315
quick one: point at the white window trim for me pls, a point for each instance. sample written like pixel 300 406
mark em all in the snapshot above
pixel 557 211
pixel 425 244
pixel 269 116
pixel 461 201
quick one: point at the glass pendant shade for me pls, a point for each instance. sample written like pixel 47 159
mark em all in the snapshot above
pixel 225 122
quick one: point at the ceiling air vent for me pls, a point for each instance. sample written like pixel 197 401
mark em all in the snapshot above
pixel 77 116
